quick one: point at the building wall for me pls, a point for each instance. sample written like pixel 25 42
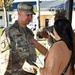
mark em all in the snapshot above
pixel 2 19
pixel 11 16
pixel 46 15
pixel 43 19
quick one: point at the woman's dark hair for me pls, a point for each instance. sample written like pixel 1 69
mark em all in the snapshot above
pixel 64 30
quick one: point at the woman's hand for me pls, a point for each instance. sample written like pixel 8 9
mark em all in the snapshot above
pixel 39 46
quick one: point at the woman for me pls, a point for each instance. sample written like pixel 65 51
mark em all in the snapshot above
pixel 61 53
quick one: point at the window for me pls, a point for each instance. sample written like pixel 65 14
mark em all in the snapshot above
pixel 10 18
pixel 0 17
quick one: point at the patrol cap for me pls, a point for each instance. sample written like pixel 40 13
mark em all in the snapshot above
pixel 26 7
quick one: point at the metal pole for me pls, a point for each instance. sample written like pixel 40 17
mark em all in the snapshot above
pixel 69 10
pixel 38 12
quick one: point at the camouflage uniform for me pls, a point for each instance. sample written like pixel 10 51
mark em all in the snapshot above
pixel 19 48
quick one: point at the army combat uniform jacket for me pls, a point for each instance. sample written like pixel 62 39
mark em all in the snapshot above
pixel 16 48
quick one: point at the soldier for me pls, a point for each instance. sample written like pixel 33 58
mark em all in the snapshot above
pixel 16 50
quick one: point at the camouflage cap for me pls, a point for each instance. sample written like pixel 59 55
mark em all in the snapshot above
pixel 26 7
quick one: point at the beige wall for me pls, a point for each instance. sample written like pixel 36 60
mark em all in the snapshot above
pixel 42 19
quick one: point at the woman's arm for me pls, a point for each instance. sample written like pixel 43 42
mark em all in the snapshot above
pixel 38 46
pixel 51 64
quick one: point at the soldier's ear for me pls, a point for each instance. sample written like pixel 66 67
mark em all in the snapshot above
pixel 19 13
